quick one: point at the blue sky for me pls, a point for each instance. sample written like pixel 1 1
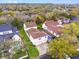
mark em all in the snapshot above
pixel 40 1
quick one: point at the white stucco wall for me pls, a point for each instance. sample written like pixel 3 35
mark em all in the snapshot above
pixel 6 32
pixel 39 40
pixel 44 26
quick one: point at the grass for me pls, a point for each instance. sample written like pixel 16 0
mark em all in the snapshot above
pixel 39 26
pixel 31 50
pixel 19 54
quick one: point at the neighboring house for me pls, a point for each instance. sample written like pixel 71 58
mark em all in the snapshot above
pixel 63 20
pixel 36 36
pixel 53 27
pixel 75 57
pixel 29 25
pixel 8 33
pixel 74 18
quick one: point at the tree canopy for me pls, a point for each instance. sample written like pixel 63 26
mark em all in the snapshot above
pixel 71 28
pixel 16 23
pixel 60 48
pixel 39 19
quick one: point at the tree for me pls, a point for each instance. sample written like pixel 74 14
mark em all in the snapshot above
pixel 72 38
pixel 75 29
pixel 49 15
pixel 66 29
pixel 60 48
pixel 1 13
pixel 71 28
pixel 74 12
pixel 1 10
pixel 39 19
pixel 65 15
pixel 11 13
pixel 16 23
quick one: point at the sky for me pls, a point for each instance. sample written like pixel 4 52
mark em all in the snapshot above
pixel 41 1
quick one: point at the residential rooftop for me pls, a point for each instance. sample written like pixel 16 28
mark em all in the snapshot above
pixel 4 28
pixel 35 33
pixel 74 18
pixel 75 57
pixel 53 26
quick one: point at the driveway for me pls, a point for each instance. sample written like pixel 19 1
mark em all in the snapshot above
pixel 45 56
pixel 42 48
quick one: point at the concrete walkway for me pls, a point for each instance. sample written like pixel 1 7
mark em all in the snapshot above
pixel 42 48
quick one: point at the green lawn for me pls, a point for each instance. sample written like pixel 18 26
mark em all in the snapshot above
pixel 19 54
pixel 39 26
pixel 32 50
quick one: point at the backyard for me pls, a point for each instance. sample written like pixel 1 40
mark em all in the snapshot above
pixel 19 54
pixel 31 50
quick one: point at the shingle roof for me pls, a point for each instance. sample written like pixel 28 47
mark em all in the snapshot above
pixel 6 27
pixel 75 57
pixel 74 18
pixel 36 33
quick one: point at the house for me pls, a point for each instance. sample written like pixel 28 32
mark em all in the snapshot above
pixel 74 18
pixel 29 25
pixel 75 57
pixel 63 20
pixel 52 27
pixel 8 33
pixel 36 36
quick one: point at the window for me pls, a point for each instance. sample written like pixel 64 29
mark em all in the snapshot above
pixel 7 32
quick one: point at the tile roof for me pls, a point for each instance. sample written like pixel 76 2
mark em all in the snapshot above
pixel 51 23
pixel 30 24
pixel 55 29
pixel 36 33
pixel 53 26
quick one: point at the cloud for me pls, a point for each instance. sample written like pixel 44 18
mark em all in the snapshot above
pixel 12 1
